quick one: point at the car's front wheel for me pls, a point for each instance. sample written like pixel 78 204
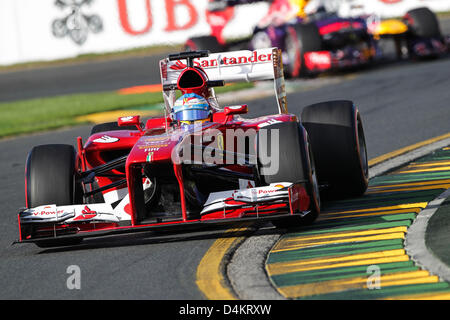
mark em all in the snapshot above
pixel 50 178
pixel 290 160
pixel 339 147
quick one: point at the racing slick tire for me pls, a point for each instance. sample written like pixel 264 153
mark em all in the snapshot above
pixel 296 164
pixel 50 179
pixel 423 23
pixel 300 38
pixel 337 137
pixel 203 43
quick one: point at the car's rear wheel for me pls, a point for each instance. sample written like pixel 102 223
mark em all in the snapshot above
pixel 300 39
pixel 51 179
pixel 337 136
pixel 423 23
pixel 295 164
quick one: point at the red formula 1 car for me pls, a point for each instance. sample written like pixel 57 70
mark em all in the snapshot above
pixel 198 165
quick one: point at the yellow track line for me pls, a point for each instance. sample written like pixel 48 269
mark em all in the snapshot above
pixel 331 235
pixel 417 205
pixel 436 186
pixel 358 214
pixel 370 214
pixel 388 236
pixel 426 296
pixel 394 279
pixel 409 184
pixel 428 164
pixel 329 262
pixel 425 170
pixel 210 279
pixel 401 151
pixel 275 271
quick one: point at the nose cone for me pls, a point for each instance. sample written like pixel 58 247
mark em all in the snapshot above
pixel 152 149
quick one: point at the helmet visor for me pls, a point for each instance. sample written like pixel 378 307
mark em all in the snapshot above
pixel 191 115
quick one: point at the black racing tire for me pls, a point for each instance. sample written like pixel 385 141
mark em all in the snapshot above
pixel 50 175
pixel 51 179
pixel 203 43
pixel 296 164
pixel 109 126
pixel 336 133
pixel 300 38
pixel 423 23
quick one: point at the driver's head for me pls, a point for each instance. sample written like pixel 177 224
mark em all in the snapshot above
pixel 191 108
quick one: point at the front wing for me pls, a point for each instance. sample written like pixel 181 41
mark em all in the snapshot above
pixel 51 222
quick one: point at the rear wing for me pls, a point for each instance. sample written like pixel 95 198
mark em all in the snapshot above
pixel 234 66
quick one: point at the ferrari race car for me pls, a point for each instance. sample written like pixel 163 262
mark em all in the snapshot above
pixel 200 164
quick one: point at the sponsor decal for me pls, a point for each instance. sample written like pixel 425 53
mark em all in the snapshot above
pixel 45 214
pixel 155 140
pixel 47 211
pixel 206 63
pixel 86 214
pixel 106 139
pixel 126 119
pixel 76 24
pixel 270 191
pixel 171 6
pixel 262 192
pixel 152 147
pixel 390 1
pixel 268 123
pixel 318 60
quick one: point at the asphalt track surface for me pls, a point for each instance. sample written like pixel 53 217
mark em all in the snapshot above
pixel 94 76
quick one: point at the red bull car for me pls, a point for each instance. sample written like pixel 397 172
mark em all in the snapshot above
pixel 319 43
pixel 324 41
pixel 176 172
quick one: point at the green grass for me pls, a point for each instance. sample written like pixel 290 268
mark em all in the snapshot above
pixel 27 116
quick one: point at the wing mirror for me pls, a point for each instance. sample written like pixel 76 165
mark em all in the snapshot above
pixel 231 110
pixel 130 121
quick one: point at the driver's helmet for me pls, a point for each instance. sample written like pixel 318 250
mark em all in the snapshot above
pixel 191 108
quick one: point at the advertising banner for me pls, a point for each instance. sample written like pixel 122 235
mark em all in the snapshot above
pixel 33 30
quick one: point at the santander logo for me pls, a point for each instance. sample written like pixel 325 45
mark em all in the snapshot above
pixel 212 62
